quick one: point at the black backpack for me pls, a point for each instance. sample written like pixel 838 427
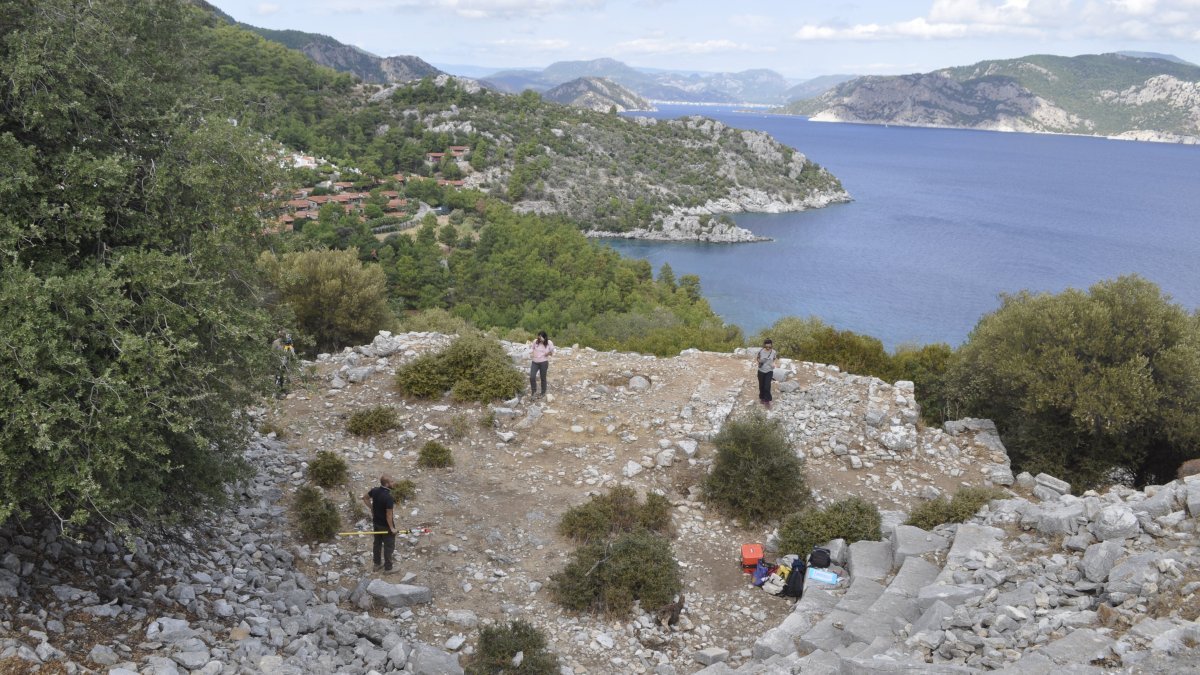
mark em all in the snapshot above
pixel 794 587
pixel 819 558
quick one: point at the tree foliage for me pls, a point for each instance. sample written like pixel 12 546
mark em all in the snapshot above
pixel 130 339
pixel 756 474
pixel 1084 383
pixel 334 298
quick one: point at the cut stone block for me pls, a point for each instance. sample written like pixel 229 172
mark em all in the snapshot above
pixel 912 541
pixel 1080 646
pixel 398 595
pixel 870 560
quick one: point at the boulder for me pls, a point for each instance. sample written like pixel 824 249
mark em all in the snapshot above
pixel 398 595
pixel 1060 486
pixel 1115 522
pixel 1099 559
pixel 639 383
pixel 427 660
pixel 711 655
pixel 1078 647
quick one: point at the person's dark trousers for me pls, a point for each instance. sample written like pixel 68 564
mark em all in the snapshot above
pixel 764 385
pixel 534 369
pixel 385 544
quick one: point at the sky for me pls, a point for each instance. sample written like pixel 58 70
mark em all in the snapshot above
pixel 798 38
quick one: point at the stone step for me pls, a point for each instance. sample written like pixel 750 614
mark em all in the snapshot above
pixel 828 633
pixel 970 542
pixel 870 560
pixel 909 541
pixel 807 611
pixel 897 605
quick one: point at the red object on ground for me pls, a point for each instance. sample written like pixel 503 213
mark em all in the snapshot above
pixel 751 554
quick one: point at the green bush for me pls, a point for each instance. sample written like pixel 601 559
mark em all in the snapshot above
pixel 961 508
pixel 852 519
pixel 616 512
pixel 328 470
pixel 435 455
pixel 472 368
pixel 372 421
pixel 334 297
pixel 457 428
pixel 1082 384
pixel 756 473
pixel 404 490
pixel 435 320
pixel 608 576
pixel 499 643
pixel 315 515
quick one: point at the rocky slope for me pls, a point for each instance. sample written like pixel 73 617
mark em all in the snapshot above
pixel 1109 95
pixel 597 93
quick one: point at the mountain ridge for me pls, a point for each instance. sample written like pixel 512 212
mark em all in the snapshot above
pixel 1104 95
pixel 597 93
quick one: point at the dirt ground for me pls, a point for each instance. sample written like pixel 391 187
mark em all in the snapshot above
pixel 493 515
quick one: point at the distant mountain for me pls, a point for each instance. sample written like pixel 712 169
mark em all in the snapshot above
pixel 341 57
pixel 815 87
pixel 750 86
pixel 1155 55
pixel 597 93
pixel 1106 94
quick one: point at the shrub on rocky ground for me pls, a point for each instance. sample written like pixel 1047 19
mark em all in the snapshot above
pixel 328 470
pixel 852 519
pixel 457 428
pixel 434 455
pixel 608 576
pixel 618 511
pixel 959 509
pixel 756 474
pixel 472 368
pixel 315 515
pixel 404 490
pixel 372 421
pixel 499 645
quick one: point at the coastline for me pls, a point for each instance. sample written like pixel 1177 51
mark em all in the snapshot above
pixel 688 224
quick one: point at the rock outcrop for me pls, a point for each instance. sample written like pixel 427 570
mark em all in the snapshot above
pixel 599 94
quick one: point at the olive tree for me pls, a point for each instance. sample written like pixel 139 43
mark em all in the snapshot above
pixel 1088 385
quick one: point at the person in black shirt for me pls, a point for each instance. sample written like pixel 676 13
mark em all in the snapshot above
pixel 382 519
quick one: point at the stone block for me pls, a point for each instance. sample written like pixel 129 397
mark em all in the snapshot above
pixel 1115 522
pixel 861 595
pixel 971 540
pixel 1078 647
pixel 908 540
pixel 1025 480
pixel 1099 559
pixel 1133 572
pixel 398 595
pixel 711 655
pixel 951 594
pixel 1060 486
pixel 1061 518
pixel 931 619
pixel 427 660
pixel 870 560
pixel 915 574
pixel 819 662
pixel 838 551
pixel 1192 498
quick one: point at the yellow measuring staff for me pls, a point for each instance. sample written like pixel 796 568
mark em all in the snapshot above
pixel 418 530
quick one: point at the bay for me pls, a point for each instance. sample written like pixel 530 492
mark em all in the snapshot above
pixel 944 221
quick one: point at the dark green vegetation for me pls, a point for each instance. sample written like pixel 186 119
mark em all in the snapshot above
pixel 434 455
pixel 328 469
pixel 625 554
pixel 404 490
pixel 619 511
pixel 959 509
pixel 1100 94
pixel 372 421
pixel 500 643
pixel 132 334
pixel 607 576
pixel 1082 384
pixel 315 515
pixel 756 474
pixel 473 368
pixel 813 340
pixel 851 519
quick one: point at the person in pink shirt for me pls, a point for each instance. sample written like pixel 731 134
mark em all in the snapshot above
pixel 540 351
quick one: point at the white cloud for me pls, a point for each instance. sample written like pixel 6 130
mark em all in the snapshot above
pixel 267 8
pixel 472 9
pixel 1045 19
pixel 666 46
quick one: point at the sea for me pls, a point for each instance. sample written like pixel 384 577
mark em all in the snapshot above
pixel 943 223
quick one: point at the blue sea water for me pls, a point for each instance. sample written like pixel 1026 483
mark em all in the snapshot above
pixel 944 221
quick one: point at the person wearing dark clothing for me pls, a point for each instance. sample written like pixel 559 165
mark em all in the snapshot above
pixel 766 371
pixel 383 506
